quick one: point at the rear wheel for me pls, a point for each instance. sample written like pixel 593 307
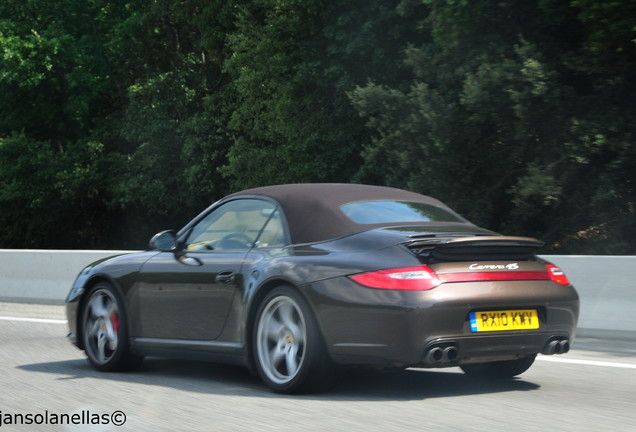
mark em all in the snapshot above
pixel 104 330
pixel 289 352
pixel 500 369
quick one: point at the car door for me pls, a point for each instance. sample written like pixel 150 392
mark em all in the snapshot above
pixel 187 295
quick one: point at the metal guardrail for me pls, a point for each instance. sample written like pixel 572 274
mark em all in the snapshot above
pixel 606 284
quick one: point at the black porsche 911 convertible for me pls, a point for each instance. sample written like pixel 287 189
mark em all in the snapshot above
pixel 295 281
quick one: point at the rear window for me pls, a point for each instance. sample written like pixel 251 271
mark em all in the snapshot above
pixel 377 212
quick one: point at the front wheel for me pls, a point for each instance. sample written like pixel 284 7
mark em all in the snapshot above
pixel 288 349
pixel 500 369
pixel 104 330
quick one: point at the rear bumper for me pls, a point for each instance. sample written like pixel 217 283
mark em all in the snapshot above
pixel 398 328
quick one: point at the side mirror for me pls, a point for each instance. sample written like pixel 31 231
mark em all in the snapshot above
pixel 165 241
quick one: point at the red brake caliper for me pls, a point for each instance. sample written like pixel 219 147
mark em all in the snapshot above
pixel 114 320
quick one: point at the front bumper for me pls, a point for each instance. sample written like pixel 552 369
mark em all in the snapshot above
pixel 71 317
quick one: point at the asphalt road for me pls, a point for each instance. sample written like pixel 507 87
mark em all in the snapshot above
pixel 43 377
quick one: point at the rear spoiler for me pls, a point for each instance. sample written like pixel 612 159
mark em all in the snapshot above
pixel 468 248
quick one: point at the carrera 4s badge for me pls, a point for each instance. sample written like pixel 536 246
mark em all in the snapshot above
pixel 511 266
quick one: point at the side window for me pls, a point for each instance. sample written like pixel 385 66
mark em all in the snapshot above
pixel 273 234
pixel 235 225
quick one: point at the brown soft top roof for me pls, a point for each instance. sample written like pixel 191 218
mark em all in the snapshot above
pixel 313 209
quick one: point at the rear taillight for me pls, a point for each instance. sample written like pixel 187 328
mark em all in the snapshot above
pixel 424 278
pixel 557 275
pixel 405 278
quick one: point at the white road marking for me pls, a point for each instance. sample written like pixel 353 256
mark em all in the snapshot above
pixel 34 320
pixel 588 362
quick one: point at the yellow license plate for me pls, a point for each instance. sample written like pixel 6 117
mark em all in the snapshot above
pixel 504 320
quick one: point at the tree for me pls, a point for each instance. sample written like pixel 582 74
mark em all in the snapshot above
pixel 293 63
pixel 507 116
pixel 119 118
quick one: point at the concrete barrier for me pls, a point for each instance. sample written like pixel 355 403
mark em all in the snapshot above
pixel 606 284
pixel 607 288
pixel 43 276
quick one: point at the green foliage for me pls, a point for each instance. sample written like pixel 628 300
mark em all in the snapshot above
pixel 119 118
pixel 47 189
pixel 516 138
pixel 611 24
pixel 292 64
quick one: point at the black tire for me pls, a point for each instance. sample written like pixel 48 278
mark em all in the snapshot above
pixel 105 330
pixel 288 350
pixel 499 370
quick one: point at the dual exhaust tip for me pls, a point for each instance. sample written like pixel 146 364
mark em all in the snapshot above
pixel 557 346
pixel 441 354
pixel 445 353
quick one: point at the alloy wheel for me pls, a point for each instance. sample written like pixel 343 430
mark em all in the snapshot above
pixel 101 326
pixel 281 339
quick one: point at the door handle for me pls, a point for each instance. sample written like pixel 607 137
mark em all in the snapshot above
pixel 191 261
pixel 225 277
